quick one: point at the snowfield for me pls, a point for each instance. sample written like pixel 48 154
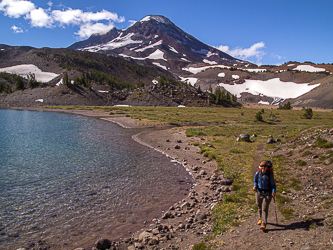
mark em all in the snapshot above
pixel 159 65
pixel 118 42
pixel 24 70
pixel 221 75
pixel 150 46
pixel 189 80
pixel 273 88
pixel 209 62
pixel 157 55
pixel 200 69
pixel 173 49
pixel 308 68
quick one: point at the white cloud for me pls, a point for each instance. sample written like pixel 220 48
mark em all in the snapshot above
pixel 103 15
pixel 16 8
pixel 39 18
pixel 88 29
pixel 78 17
pixel 16 29
pixel 244 53
pixel 69 16
pixel 89 22
pixel 131 22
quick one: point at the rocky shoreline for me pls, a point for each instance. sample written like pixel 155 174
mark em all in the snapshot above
pixel 188 222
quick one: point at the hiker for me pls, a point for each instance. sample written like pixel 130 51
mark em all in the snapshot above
pixel 265 188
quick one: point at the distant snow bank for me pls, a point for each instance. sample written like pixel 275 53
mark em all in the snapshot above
pixel 308 68
pixel 272 88
pixel 196 70
pixel 24 70
pixel 160 65
pixel 189 80
pixel 200 69
pixel 264 103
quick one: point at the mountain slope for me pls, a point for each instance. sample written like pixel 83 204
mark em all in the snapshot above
pixel 156 40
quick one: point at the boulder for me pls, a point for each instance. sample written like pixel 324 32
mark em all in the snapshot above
pixel 244 137
pixel 139 245
pixel 103 244
pixel 153 241
pixel 202 172
pixel 185 206
pixel 270 140
pixel 145 236
pixel 200 216
pixel 226 181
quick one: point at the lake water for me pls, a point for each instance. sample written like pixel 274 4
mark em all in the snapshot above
pixel 67 180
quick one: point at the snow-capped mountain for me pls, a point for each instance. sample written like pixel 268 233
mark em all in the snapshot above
pixel 156 40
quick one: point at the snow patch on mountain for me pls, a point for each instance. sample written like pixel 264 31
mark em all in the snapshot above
pixel 117 42
pixel 160 65
pixel 308 68
pixel 272 88
pixel 221 74
pixel 264 103
pixel 157 18
pixel 156 55
pixel 195 70
pixel 209 62
pixel 24 70
pixel 173 49
pixel 209 54
pixel 150 46
pixel 253 70
pixel 189 80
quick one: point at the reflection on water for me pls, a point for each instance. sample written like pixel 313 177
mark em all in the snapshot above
pixel 67 180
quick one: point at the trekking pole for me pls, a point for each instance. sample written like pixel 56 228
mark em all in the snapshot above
pixel 275 212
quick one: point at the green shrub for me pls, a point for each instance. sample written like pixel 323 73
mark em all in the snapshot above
pixel 308 113
pixel 236 151
pixel 306 153
pixel 301 163
pixel 259 117
pixel 200 246
pixel 322 143
pixel 286 106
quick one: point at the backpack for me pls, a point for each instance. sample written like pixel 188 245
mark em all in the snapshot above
pixel 270 166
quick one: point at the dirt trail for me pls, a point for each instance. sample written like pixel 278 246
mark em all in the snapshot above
pixel 281 234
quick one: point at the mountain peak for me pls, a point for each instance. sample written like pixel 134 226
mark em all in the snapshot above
pixel 155 40
pixel 158 18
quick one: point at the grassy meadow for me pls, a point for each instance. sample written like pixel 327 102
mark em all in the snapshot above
pixel 215 130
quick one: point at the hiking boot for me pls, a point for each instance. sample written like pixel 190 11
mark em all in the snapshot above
pixel 263 228
pixel 259 222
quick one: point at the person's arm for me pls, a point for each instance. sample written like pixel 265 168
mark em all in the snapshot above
pixel 273 185
pixel 255 182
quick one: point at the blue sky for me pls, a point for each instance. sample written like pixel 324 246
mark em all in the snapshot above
pixel 263 32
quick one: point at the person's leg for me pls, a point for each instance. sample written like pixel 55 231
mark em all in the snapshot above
pixel 266 201
pixel 259 200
